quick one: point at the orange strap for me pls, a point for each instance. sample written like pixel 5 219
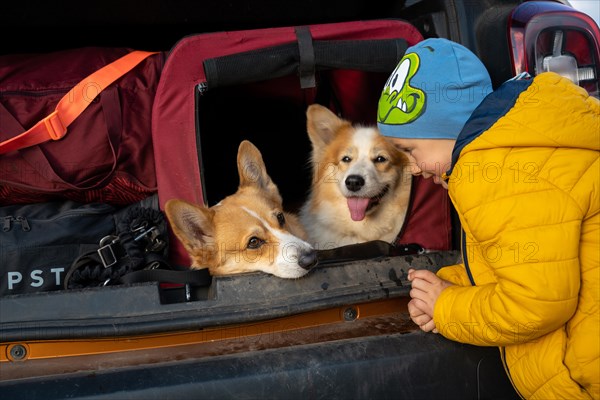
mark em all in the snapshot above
pixel 54 126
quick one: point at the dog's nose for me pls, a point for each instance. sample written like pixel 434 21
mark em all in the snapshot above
pixel 307 259
pixel 355 182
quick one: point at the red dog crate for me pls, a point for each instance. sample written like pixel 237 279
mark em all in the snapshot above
pixel 217 89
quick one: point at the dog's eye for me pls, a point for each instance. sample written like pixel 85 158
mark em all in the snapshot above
pixel 281 219
pixel 346 159
pixel 380 159
pixel 255 243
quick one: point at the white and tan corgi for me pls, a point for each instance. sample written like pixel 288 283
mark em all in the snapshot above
pixel 247 231
pixel 361 186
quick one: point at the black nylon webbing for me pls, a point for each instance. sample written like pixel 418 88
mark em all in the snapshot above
pixel 378 55
pixel 306 68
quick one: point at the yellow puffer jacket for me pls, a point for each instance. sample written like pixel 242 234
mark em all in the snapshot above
pixel 525 183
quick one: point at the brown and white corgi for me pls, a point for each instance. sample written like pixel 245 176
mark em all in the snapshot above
pixel 361 185
pixel 247 231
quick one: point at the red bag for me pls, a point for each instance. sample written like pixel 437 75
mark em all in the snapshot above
pixel 68 132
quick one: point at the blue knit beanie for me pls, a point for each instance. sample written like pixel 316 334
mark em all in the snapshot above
pixel 432 92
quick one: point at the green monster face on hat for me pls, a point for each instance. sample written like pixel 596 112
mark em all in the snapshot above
pixel 400 103
pixel 432 92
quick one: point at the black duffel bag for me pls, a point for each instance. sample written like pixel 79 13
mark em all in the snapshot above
pixel 56 245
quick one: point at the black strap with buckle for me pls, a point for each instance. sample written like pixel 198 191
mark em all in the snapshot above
pixel 136 252
pixel 110 251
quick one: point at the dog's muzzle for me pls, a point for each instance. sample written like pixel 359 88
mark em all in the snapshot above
pixel 307 259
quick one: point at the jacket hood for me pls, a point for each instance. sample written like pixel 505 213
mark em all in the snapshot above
pixel 547 111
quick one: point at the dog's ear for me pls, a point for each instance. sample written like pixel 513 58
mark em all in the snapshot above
pixel 192 224
pixel 252 170
pixel 322 125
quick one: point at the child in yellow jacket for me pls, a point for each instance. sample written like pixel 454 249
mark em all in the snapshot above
pixel 522 170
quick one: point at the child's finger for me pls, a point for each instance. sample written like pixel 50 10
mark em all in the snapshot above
pixel 429 327
pixel 421 296
pixel 426 275
pixel 422 306
pixel 420 284
pixel 417 316
pixel 414 310
pixel 421 320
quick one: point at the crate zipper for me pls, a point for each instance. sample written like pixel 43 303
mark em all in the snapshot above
pixel 202 88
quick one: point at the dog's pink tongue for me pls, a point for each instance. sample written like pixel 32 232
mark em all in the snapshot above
pixel 358 207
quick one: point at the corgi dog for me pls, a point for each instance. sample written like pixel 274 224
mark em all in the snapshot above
pixel 361 186
pixel 246 231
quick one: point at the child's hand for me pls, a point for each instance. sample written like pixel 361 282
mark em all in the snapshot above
pixel 417 315
pixel 426 288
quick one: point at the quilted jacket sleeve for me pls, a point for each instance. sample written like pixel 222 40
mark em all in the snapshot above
pixel 455 274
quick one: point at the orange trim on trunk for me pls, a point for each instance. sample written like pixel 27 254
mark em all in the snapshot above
pixel 77 347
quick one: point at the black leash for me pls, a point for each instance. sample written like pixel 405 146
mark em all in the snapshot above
pixel 365 251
